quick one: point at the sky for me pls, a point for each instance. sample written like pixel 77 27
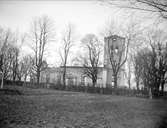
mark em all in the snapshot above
pixel 87 16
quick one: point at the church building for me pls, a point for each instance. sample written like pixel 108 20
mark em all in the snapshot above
pixel 75 74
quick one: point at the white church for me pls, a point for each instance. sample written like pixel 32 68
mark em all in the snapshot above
pixel 75 74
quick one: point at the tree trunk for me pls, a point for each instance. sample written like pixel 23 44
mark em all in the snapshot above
pixel 38 76
pixel 64 78
pixel 150 93
pixel 25 78
pixel 2 82
pixel 162 87
pixel 137 85
pixel 14 72
pixel 115 81
pixel 94 82
pixel 14 77
pixel 129 83
pixel 2 79
pixel 19 78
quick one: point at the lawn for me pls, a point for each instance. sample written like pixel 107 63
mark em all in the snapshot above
pixel 44 108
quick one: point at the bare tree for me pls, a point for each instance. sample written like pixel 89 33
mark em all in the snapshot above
pixel 111 27
pixel 157 41
pixel 42 33
pixel 155 6
pixel 159 6
pixel 15 63
pixel 151 63
pixel 91 60
pixel 148 70
pixel 118 55
pixel 129 70
pixel 137 69
pixel 5 53
pixel 25 67
pixel 67 43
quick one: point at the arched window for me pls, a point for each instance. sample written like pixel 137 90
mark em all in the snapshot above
pixel 114 39
pixel 116 49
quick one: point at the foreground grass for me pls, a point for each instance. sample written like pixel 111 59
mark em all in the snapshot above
pixel 42 108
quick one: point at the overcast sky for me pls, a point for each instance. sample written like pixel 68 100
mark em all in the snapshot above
pixel 87 16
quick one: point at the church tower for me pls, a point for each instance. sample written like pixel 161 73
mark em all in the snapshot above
pixel 115 44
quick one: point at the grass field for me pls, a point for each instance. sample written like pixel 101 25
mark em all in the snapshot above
pixel 42 108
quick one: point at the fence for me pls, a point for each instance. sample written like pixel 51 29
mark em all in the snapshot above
pixel 82 88
pixel 101 90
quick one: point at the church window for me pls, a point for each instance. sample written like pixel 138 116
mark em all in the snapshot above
pixel 116 49
pixel 114 39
